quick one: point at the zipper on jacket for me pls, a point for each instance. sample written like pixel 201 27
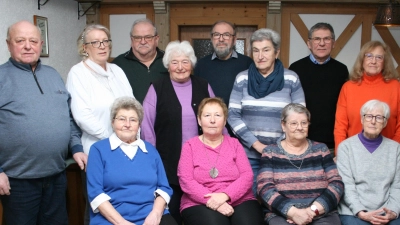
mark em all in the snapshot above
pixel 37 82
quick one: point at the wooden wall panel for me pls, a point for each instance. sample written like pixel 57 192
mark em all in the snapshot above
pixel 363 16
pixel 250 14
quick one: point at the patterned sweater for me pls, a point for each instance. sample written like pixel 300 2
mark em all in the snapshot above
pixel 281 184
pixel 259 119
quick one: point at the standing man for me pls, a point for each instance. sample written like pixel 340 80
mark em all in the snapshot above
pixel 322 78
pixel 142 64
pixel 36 127
pixel 221 67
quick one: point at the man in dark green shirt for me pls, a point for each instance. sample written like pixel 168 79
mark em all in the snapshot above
pixel 142 64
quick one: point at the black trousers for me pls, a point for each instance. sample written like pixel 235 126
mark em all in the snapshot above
pixel 175 203
pixel 167 219
pixel 247 213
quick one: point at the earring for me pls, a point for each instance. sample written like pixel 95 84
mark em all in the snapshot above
pixel 85 53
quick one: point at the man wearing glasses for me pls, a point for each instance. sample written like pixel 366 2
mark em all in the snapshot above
pixel 221 67
pixel 142 64
pixel 321 77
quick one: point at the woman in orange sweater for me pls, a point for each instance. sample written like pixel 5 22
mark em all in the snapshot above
pixel 373 77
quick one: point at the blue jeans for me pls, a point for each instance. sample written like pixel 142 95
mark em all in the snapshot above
pixel 255 166
pixel 353 220
pixel 36 201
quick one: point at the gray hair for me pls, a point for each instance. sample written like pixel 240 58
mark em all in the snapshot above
pixel 82 38
pixel 143 20
pixel 127 103
pixel 223 22
pixel 11 27
pixel 375 104
pixel 294 107
pixel 266 34
pixel 321 26
pixel 176 48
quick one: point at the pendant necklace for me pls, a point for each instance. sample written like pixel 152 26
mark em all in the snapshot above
pixel 213 171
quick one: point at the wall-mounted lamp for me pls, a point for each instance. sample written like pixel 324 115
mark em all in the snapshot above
pixel 388 15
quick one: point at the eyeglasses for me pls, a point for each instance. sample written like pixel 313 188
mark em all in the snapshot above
pixel 317 40
pixel 294 125
pixel 370 57
pixel 378 118
pixel 225 36
pixel 97 44
pixel 122 119
pixel 140 38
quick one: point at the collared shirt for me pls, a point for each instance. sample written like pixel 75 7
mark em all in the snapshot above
pixel 129 149
pixel 234 55
pixel 316 62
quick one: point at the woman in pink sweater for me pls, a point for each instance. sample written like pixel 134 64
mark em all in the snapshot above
pixel 215 175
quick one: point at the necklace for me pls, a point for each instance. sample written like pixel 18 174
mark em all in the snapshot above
pixel 298 167
pixel 213 171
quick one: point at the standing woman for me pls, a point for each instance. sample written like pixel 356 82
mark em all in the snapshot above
pixel 373 77
pixel 259 95
pixel 94 84
pixel 170 109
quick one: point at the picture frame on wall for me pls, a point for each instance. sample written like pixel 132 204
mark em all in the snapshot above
pixel 42 23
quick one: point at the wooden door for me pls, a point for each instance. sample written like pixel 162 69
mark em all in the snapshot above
pixel 121 41
pixel 193 22
pixel 199 38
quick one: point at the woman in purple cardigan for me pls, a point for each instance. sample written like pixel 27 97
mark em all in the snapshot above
pixel 215 175
pixel 170 109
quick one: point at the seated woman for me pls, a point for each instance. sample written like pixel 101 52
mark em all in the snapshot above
pixel 215 175
pixel 370 167
pixel 126 180
pixel 298 180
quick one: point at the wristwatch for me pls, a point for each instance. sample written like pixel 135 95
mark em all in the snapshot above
pixel 315 209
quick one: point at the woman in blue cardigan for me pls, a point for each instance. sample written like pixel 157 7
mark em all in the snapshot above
pixel 126 179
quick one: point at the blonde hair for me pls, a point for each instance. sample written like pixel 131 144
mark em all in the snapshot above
pixel 388 70
pixel 82 38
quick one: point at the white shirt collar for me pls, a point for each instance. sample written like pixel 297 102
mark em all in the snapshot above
pixel 129 149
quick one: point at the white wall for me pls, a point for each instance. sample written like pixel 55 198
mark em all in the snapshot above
pixel 348 55
pixel 64 29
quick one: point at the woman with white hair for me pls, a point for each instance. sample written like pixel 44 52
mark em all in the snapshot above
pixel 94 84
pixel 259 95
pixel 170 112
pixel 369 164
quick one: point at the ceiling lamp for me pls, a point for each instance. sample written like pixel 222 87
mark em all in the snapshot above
pixel 388 15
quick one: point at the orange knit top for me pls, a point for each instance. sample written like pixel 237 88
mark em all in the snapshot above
pixel 351 98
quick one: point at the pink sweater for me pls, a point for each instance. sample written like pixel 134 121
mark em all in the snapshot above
pixel 235 175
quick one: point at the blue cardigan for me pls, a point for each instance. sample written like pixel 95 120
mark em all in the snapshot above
pixel 129 183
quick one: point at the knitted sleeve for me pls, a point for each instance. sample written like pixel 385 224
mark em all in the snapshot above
pixel 235 112
pixel 341 118
pixel 238 188
pixel 330 198
pixel 344 166
pixel 195 191
pixel 149 107
pixel 266 188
